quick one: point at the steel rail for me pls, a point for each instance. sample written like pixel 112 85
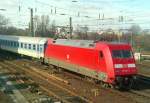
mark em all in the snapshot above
pixel 43 77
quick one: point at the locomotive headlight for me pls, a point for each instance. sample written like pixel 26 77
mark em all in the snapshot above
pixel 131 66
pixel 124 65
pixel 118 66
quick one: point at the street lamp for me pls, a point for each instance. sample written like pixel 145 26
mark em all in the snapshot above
pixel 62 14
pixel 74 1
pixel 3 9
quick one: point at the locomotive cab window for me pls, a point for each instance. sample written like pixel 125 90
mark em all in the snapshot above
pixel 101 54
pixel 122 54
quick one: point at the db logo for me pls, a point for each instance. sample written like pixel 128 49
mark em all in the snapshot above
pixel 125 66
pixel 68 56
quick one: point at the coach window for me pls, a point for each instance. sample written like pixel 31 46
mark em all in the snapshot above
pixel 37 47
pixel 2 42
pixel 14 44
pixel 41 48
pixel 11 43
pixel 21 45
pixel 5 42
pixel 17 44
pixel 34 47
pixel 29 46
pixel 25 46
pixel 101 55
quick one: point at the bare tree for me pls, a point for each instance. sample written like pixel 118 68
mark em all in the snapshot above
pixel 43 27
pixel 82 32
pixel 3 21
pixel 135 29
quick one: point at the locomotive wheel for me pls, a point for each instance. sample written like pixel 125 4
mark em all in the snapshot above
pixel 60 69
pixel 89 79
pixel 111 86
pixel 122 85
pixel 104 85
pixel 135 85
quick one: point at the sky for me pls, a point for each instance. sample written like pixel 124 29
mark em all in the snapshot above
pixel 83 12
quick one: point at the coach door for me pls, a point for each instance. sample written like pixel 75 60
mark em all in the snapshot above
pixel 40 50
pixel 102 63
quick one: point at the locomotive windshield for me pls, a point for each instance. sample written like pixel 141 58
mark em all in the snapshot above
pixel 122 54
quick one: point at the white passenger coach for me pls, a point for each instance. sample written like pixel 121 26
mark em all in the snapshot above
pixel 30 46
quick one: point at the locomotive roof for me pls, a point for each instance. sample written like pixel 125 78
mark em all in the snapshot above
pixel 68 42
pixel 84 43
pixel 78 43
pixel 24 39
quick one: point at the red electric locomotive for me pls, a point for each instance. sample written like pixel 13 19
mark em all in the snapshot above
pixel 111 63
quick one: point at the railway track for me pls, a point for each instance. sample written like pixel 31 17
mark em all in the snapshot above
pixel 147 95
pixel 143 81
pixel 144 78
pixel 44 79
pixel 48 84
pixel 145 65
pixel 139 93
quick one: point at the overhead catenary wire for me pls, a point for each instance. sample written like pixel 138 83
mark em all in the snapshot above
pixel 60 11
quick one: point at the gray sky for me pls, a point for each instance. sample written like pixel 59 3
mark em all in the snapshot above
pixel 133 11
